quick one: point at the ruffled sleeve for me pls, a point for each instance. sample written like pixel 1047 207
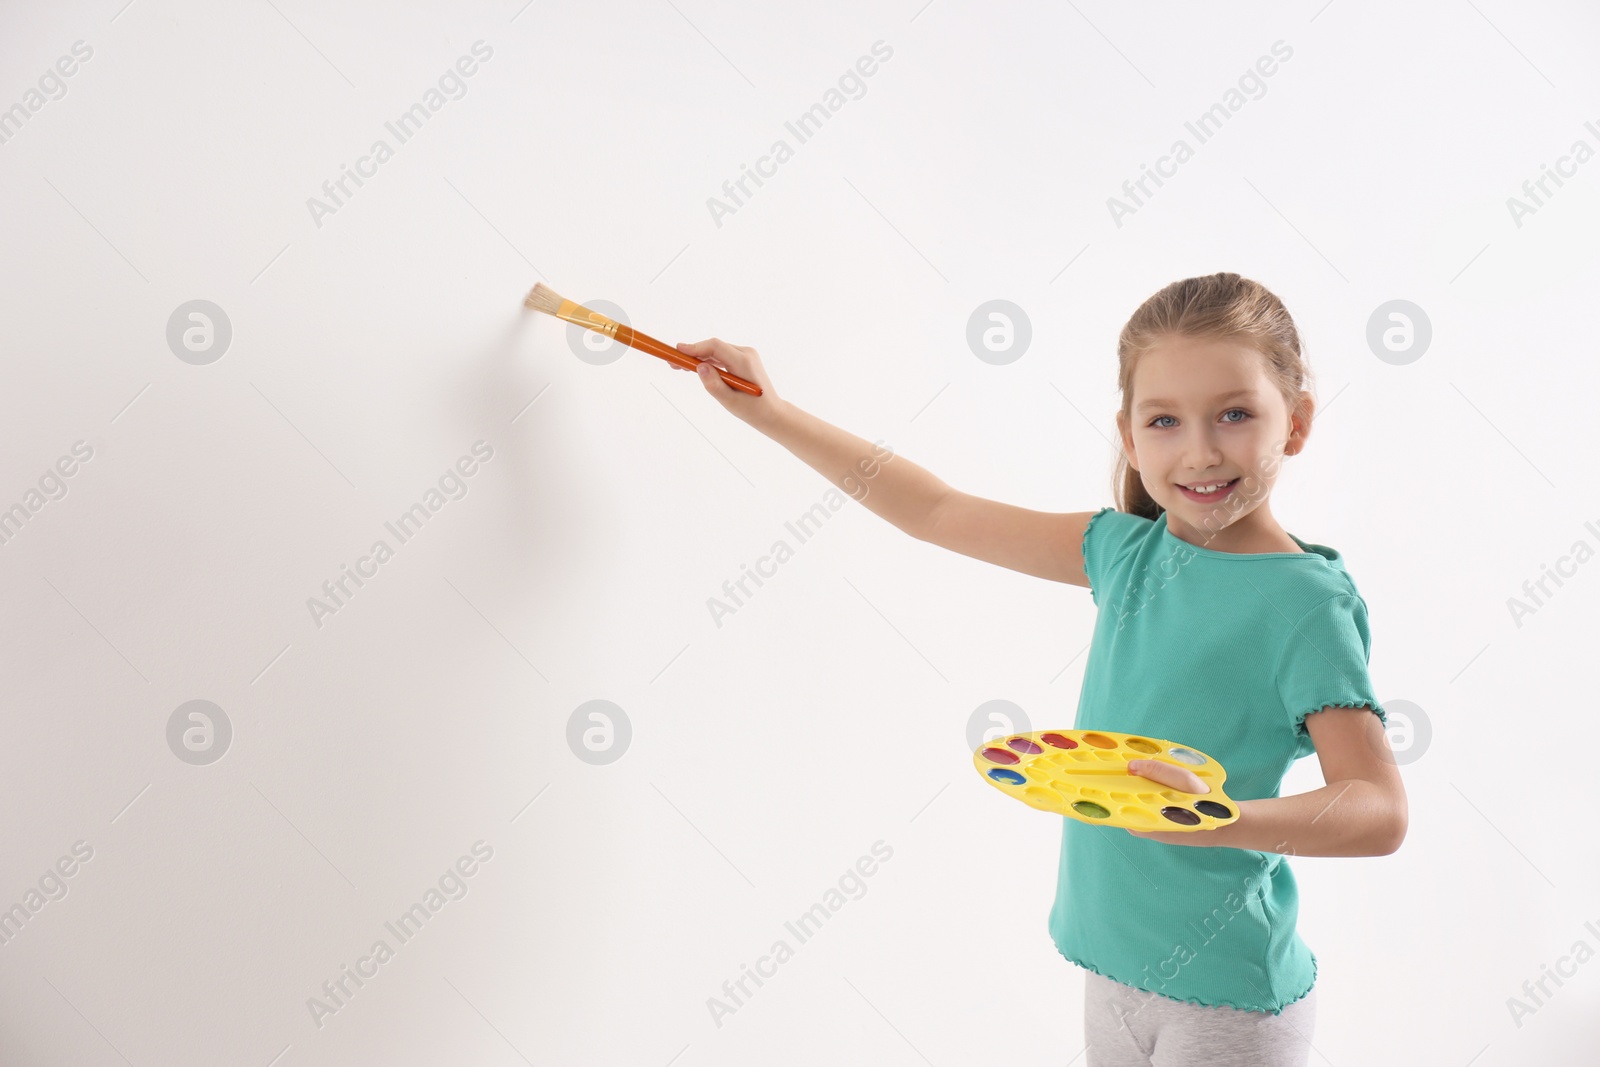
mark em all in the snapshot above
pixel 1106 539
pixel 1324 663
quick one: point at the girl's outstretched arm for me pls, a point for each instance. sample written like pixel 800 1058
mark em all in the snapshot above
pixel 1041 543
pixel 1360 812
pixel 895 489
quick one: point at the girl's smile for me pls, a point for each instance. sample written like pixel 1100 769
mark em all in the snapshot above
pixel 1218 491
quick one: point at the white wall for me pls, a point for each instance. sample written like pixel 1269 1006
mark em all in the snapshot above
pixel 372 347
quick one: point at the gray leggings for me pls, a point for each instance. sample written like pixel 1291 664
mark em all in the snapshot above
pixel 1128 1027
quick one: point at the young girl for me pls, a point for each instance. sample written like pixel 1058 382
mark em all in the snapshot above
pixel 1216 628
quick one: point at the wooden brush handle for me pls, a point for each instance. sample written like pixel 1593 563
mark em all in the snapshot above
pixel 645 343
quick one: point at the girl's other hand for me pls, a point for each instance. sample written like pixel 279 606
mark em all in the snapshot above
pixel 742 360
pixel 1175 777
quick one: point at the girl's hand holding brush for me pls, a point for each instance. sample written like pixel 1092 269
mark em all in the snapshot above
pixel 718 355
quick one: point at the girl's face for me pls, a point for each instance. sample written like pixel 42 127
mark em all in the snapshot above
pixel 1203 413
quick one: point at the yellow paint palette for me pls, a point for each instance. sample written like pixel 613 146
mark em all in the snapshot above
pixel 1083 774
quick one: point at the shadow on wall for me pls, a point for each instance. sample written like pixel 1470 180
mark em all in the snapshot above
pixel 513 393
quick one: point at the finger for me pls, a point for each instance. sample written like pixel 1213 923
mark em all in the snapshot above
pixel 708 374
pixel 703 351
pixel 1168 774
pixel 697 349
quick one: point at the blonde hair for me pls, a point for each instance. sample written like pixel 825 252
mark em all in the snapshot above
pixel 1215 307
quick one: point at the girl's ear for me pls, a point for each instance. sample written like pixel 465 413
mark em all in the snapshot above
pixel 1300 420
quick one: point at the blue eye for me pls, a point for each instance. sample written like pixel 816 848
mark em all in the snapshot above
pixel 1230 411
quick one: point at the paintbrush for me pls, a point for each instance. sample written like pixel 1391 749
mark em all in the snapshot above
pixel 543 298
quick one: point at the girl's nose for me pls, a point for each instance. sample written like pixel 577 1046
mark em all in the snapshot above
pixel 1201 453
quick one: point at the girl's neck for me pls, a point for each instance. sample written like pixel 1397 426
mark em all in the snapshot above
pixel 1256 532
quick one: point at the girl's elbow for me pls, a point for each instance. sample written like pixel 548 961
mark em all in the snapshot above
pixel 1395 834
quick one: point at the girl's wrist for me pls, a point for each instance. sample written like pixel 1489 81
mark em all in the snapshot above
pixel 768 413
pixel 1253 829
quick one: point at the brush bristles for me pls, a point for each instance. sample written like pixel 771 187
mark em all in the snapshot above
pixel 543 298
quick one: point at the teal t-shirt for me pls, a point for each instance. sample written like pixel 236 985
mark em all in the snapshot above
pixel 1227 652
